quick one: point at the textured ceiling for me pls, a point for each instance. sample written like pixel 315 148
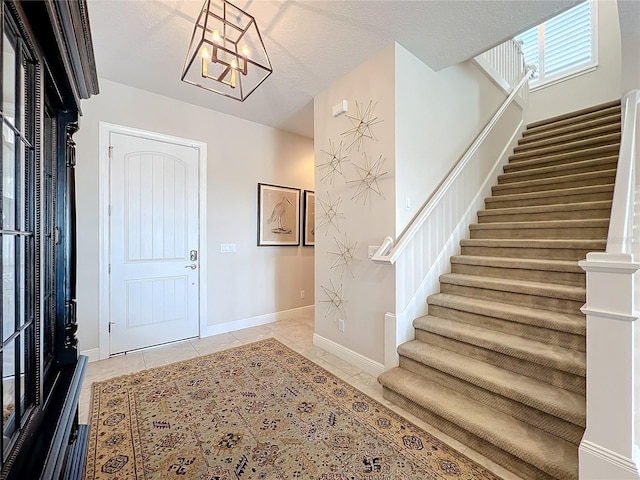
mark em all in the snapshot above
pixel 311 44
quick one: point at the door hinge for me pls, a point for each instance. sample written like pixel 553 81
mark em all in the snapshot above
pixel 109 209
pixel 109 268
pixel 111 323
pixel 110 151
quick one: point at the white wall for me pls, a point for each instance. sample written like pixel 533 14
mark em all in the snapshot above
pixel 255 280
pixel 589 89
pixel 629 15
pixel 438 115
pixel 371 291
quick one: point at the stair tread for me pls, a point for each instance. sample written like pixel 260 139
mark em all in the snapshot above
pixel 608 138
pixel 565 322
pixel 611 105
pixel 552 180
pixel 600 150
pixel 542 353
pixel 534 243
pixel 562 193
pixel 553 208
pixel 551 290
pixel 535 170
pixel 578 223
pixel 534 393
pixel 547 452
pixel 611 124
pixel 521 263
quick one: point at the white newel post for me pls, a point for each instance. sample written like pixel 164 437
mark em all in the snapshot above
pixel 608 449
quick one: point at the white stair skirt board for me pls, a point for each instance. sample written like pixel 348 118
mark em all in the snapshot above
pixel 354 358
pixel 597 463
pixel 227 327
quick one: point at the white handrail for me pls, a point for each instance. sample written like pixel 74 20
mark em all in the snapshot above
pixel 389 251
pixel 620 237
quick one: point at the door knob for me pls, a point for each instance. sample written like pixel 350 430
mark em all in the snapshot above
pixel 193 266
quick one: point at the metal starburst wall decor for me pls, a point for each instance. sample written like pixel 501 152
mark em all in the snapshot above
pixel 345 254
pixel 333 165
pixel 330 214
pixel 335 299
pixel 368 176
pixel 361 125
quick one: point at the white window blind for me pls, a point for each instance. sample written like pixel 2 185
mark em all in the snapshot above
pixel 561 46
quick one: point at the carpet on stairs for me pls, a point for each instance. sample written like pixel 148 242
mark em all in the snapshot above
pixel 499 361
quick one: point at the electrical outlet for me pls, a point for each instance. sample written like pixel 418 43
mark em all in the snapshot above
pixel 341 325
pixel 301 293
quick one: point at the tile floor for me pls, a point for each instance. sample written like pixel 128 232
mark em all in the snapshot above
pixel 297 334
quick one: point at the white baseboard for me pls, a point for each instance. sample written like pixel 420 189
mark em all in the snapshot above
pixel 254 321
pixel 93 354
pixel 598 462
pixel 357 360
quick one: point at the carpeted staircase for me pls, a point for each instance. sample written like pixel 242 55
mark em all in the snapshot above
pixel 499 362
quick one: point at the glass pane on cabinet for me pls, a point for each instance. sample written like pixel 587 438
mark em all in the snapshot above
pixel 8 390
pixel 21 273
pixel 8 286
pixel 21 191
pixel 8 78
pixel 20 104
pixel 8 178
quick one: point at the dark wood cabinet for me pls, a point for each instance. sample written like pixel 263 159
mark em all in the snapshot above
pixel 47 66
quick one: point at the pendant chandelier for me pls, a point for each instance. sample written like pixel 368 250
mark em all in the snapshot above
pixel 226 54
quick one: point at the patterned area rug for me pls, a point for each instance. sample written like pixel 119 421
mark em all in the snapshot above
pixel 259 411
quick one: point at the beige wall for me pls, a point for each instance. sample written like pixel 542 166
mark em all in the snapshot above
pixel 438 115
pixel 255 280
pixel 370 292
pixel 593 88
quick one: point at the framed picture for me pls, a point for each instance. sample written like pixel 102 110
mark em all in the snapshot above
pixel 309 218
pixel 278 215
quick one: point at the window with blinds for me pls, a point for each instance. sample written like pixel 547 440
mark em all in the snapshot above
pixel 562 46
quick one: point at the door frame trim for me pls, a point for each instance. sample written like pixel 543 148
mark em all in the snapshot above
pixel 105 129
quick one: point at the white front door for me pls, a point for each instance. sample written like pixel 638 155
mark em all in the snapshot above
pixel 154 260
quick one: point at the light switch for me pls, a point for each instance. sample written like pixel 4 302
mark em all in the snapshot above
pixel 228 248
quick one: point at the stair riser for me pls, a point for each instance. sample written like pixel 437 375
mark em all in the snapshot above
pixel 594 233
pixel 530 331
pixel 510 189
pixel 527 300
pixel 539 253
pixel 596 213
pixel 560 137
pixel 540 161
pixel 569 146
pixel 613 120
pixel 511 462
pixel 559 378
pixel 577 120
pixel 522 411
pixel 497 202
pixel 527 174
pixel 546 276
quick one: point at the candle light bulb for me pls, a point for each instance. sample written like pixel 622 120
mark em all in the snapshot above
pixel 234 64
pixel 245 51
pixel 205 53
pixel 216 36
